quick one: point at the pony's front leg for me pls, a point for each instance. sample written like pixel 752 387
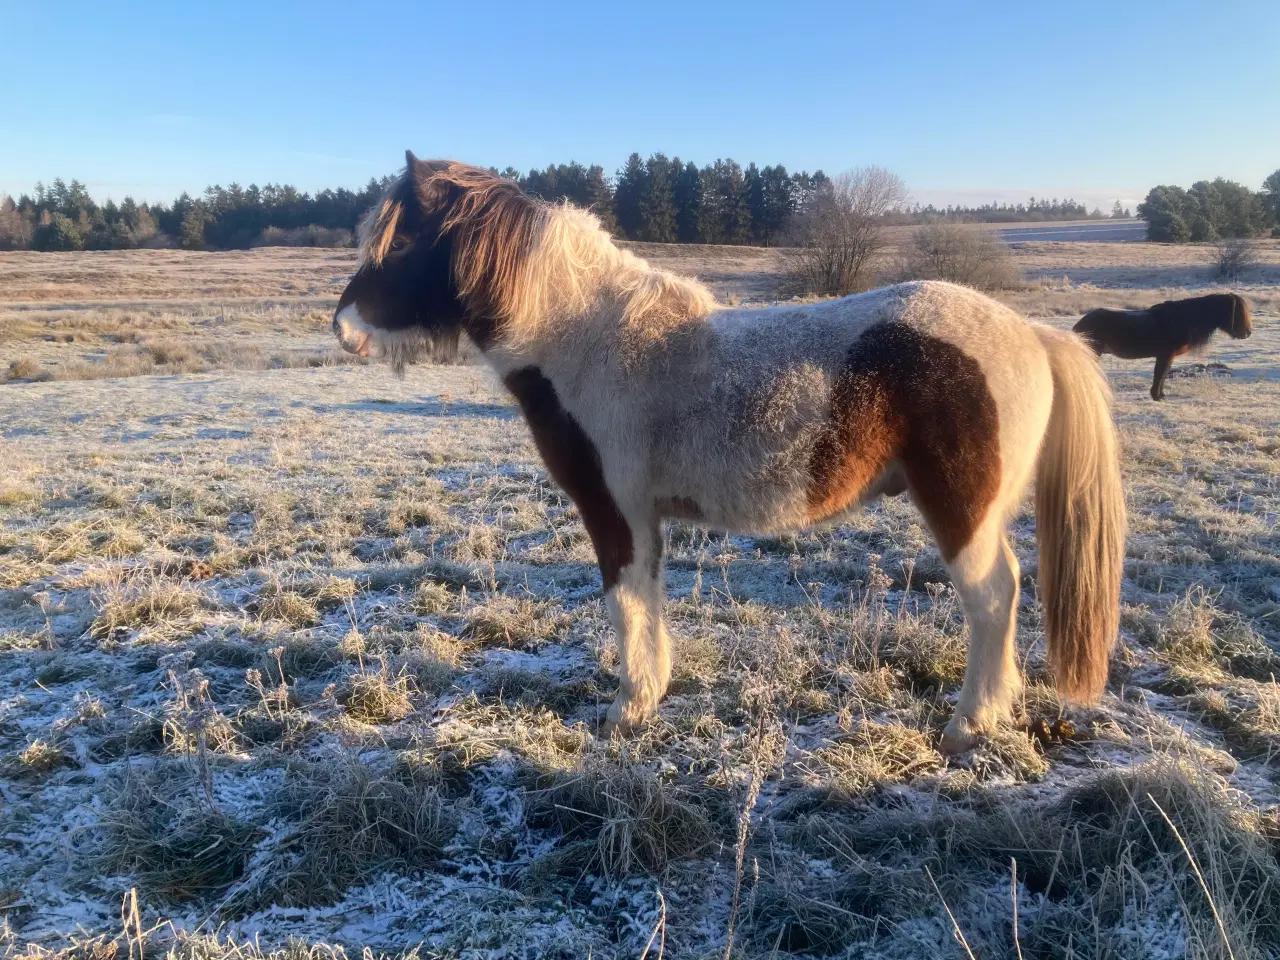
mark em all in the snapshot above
pixel 1163 362
pixel 644 650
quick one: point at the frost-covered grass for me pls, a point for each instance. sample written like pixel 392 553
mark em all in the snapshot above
pixel 314 659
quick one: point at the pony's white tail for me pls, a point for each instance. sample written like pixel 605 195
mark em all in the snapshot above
pixel 1080 519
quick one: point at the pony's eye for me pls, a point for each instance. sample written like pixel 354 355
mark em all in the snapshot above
pixel 399 243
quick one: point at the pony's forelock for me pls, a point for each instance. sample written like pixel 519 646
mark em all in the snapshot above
pixel 1241 319
pixel 492 222
pixel 378 227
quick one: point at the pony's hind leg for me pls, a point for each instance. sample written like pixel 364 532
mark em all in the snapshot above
pixel 985 575
pixel 644 649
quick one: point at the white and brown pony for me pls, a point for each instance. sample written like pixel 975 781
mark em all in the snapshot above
pixel 647 400
pixel 1166 330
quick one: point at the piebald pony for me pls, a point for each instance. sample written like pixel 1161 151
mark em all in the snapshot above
pixel 647 400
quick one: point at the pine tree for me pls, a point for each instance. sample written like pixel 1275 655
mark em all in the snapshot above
pixel 600 197
pixel 779 204
pixel 732 196
pixel 191 234
pixel 57 232
pixel 688 201
pixel 710 221
pixel 1271 198
pixel 755 204
pixel 657 201
pixel 626 198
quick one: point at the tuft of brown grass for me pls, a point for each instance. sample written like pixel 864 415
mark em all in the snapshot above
pixel 518 623
pixel 1118 843
pixel 42 756
pixel 375 696
pixel 158 611
pixel 346 823
pixel 620 818
pixel 24 368
pixel 873 754
pixel 286 606
pixel 159 830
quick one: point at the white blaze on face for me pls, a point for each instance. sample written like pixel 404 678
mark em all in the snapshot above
pixel 354 334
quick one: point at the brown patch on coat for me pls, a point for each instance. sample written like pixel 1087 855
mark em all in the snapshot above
pixel 906 397
pixel 574 463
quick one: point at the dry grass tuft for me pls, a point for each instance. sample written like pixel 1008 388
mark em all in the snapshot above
pixel 159 611
pixel 1201 644
pixel 158 829
pixel 619 819
pixel 24 368
pixel 1248 718
pixel 518 623
pixel 377 696
pixel 286 606
pixel 42 756
pixel 874 754
pixel 344 823
pixel 1102 851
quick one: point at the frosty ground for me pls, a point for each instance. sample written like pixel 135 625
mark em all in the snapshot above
pixel 296 652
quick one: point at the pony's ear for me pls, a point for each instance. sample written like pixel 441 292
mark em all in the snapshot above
pixel 410 161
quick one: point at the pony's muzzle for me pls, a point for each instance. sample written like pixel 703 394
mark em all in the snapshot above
pixel 352 332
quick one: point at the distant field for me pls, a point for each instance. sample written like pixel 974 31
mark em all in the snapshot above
pixel 299 652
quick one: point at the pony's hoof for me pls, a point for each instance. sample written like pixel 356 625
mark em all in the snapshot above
pixel 623 719
pixel 957 738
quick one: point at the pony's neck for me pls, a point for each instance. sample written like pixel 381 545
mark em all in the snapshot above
pixel 579 287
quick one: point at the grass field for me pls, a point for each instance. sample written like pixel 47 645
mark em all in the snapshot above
pixel 299 657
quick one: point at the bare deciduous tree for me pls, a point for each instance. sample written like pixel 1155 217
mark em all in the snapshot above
pixel 842 231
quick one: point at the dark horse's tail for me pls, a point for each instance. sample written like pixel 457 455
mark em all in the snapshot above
pixel 1088 327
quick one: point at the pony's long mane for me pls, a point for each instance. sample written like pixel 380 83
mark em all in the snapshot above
pixel 1201 316
pixel 525 263
pixel 491 226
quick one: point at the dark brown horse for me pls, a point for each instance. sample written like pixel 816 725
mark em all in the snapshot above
pixel 1166 330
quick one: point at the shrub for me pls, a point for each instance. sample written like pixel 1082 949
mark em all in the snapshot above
pixel 58 234
pixel 24 368
pixel 1233 256
pixel 308 236
pixel 951 251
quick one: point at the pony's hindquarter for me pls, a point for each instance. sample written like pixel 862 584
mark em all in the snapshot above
pixel 1080 520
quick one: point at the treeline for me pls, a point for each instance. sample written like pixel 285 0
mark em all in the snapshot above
pixel 1030 212
pixel 1211 210
pixel 63 216
pixel 659 200
pixel 666 200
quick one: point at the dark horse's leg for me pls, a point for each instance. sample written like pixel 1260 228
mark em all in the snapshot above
pixel 1163 362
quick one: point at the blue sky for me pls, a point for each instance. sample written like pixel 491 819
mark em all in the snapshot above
pixel 966 101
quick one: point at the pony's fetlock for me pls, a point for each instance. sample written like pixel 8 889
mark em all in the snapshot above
pixel 626 713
